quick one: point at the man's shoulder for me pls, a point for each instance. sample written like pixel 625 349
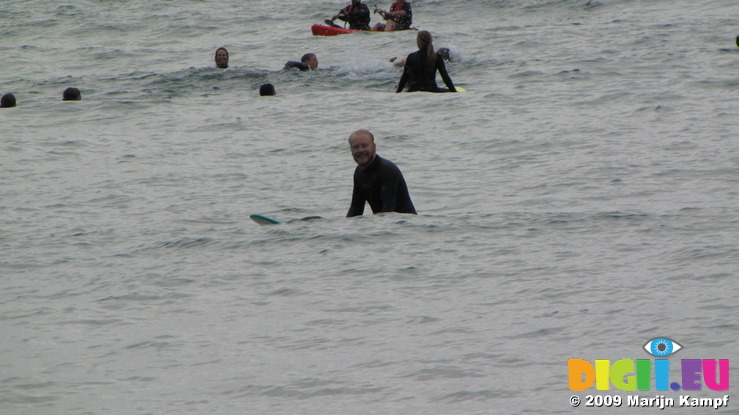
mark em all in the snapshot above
pixel 294 64
pixel 386 164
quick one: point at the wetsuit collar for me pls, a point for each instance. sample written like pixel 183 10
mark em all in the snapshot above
pixel 372 163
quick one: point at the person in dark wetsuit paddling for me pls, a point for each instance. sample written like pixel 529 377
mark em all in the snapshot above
pixel 376 180
pixel 421 66
pixel 356 14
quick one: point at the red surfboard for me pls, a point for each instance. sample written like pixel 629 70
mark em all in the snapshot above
pixel 323 30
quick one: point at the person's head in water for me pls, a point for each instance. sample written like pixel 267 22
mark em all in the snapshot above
pixel 737 41
pixel 311 60
pixel 267 90
pixel 363 148
pixel 71 94
pixel 7 101
pixel 221 58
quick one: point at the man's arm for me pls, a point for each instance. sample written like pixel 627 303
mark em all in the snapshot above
pixel 358 201
pixel 342 15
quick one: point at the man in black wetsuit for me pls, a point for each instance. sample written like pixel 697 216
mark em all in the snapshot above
pixel 356 14
pixel 376 180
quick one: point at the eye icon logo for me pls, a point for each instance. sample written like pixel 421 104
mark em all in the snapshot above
pixel 661 347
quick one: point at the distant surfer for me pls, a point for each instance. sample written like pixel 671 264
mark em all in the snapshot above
pixel 376 180
pixel 7 101
pixel 308 62
pixel 398 17
pixel 221 58
pixel 356 14
pixel 71 94
pixel 421 66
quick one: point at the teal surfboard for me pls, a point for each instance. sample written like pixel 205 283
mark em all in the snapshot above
pixel 264 220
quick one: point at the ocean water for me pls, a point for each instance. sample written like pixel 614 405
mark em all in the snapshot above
pixel 579 200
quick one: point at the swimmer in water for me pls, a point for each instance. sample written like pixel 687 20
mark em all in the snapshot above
pixel 267 90
pixel 309 62
pixel 71 94
pixel 7 101
pixel 221 58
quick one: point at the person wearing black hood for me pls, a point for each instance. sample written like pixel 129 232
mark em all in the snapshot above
pixel 7 101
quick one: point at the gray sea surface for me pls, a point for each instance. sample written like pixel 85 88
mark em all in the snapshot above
pixel 580 199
